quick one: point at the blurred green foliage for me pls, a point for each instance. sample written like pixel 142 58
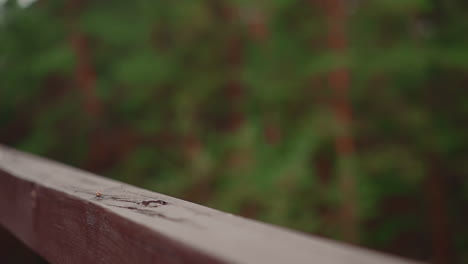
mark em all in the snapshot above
pixel 163 71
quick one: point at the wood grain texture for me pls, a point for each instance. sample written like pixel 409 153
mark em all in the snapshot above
pixel 54 210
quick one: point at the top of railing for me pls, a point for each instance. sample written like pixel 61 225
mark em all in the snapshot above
pixel 72 216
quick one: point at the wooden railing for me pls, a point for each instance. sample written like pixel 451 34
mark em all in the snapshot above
pixel 70 216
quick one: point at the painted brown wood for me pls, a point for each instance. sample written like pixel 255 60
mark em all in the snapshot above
pixel 54 210
pixel 13 251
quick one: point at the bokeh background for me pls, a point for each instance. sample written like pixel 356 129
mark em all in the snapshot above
pixel 343 118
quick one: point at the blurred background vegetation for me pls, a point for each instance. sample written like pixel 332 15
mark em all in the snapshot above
pixel 345 119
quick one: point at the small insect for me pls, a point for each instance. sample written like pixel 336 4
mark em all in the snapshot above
pixel 98 194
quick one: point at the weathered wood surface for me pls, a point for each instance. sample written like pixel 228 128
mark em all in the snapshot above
pixel 54 210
